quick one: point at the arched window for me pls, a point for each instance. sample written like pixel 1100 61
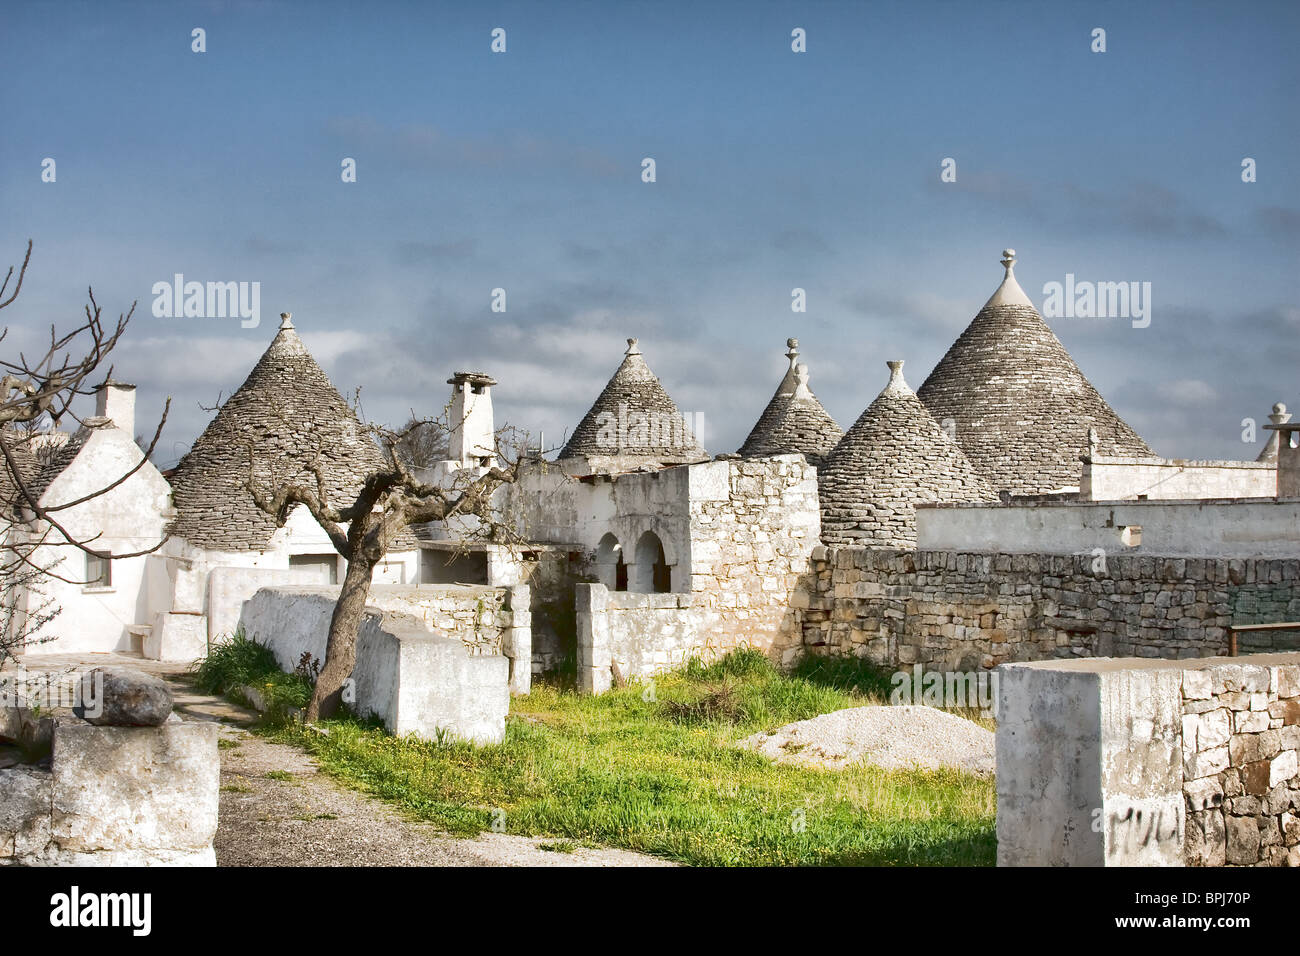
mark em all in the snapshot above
pixel 652 571
pixel 610 566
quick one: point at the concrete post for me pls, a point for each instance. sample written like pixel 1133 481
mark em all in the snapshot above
pixel 1090 764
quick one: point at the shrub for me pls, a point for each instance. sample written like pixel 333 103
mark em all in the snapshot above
pixel 236 661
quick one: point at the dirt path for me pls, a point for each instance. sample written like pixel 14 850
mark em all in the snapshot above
pixel 301 817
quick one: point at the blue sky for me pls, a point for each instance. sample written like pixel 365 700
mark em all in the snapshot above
pixel 775 170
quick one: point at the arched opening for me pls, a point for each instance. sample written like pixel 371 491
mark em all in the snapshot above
pixel 652 571
pixel 610 566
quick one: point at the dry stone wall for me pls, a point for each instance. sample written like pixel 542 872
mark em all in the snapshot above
pixel 479 617
pixel 750 545
pixel 1241 764
pixel 966 610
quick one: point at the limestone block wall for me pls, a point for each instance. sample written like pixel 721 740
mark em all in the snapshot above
pixel 414 680
pixel 754 525
pixel 1241 760
pixel 115 796
pixel 966 610
pixel 1126 762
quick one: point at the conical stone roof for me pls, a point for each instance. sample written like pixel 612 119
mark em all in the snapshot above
pixel 1020 406
pixel 634 417
pixel 794 422
pixel 893 458
pixel 290 413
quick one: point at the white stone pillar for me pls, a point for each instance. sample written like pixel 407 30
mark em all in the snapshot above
pixel 592 602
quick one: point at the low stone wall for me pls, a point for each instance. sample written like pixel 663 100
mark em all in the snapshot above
pixel 1111 762
pixel 643 634
pixel 414 680
pixel 967 610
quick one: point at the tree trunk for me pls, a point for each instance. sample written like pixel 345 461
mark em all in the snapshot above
pixel 341 651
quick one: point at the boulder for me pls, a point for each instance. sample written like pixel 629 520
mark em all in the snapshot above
pixel 121 697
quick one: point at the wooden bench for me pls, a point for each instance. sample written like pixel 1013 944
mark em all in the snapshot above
pixel 1235 629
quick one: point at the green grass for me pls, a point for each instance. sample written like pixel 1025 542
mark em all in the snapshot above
pixel 657 773
pixel 240 662
pixel 559 846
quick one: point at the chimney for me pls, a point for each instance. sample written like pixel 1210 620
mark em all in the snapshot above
pixel 473 433
pixel 116 401
pixel 1288 456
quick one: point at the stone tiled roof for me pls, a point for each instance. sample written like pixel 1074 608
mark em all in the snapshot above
pixel 1022 410
pixel 52 462
pixel 289 412
pixel 634 417
pixel 893 458
pixel 28 465
pixel 794 421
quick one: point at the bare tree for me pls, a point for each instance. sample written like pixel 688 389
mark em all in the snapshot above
pixel 35 392
pixel 422 443
pixel 363 530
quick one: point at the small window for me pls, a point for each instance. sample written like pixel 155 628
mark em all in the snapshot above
pixel 99 570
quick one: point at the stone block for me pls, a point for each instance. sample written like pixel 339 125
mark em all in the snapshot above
pixel 1206 763
pixel 135 790
pixel 1250 721
pixel 1213 729
pixel 1197 684
pixel 24 813
pixel 1242 840
pixel 1255 777
pixel 1283 768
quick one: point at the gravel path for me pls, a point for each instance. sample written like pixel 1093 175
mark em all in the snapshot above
pixel 889 737
pixel 309 820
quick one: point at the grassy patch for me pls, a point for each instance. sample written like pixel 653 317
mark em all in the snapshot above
pixel 279 775
pixel 654 770
pixel 239 662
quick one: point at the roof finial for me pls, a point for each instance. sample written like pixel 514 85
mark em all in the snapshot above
pixel 631 348
pixel 1280 415
pixel 792 353
pixel 286 320
pixel 896 374
pixel 1009 260
pixel 801 389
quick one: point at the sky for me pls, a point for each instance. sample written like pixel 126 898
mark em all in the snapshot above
pixel 774 170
